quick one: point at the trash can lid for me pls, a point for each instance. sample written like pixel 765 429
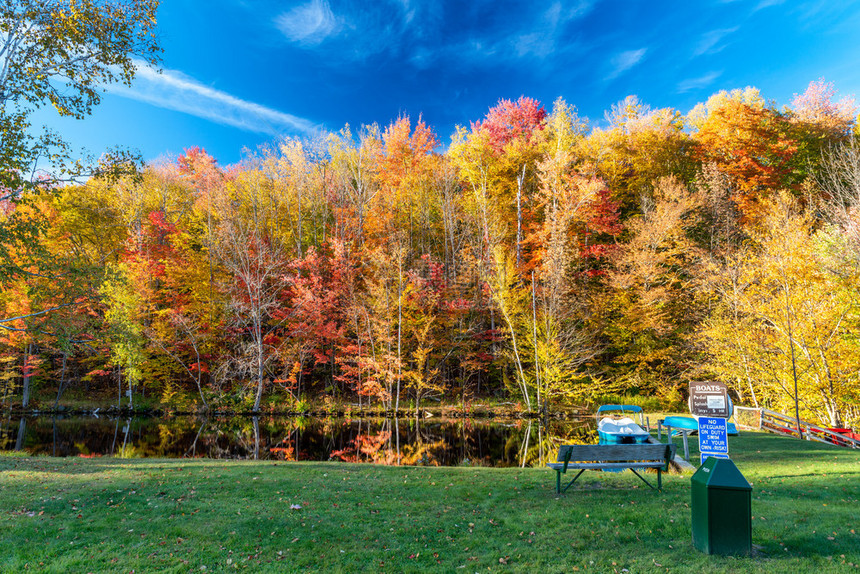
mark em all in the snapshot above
pixel 721 473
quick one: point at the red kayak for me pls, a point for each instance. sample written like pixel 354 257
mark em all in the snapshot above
pixel 846 432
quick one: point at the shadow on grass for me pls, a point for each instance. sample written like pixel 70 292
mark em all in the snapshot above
pixel 86 465
pixel 809 474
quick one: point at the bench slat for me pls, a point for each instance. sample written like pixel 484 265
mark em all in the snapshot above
pixel 612 452
pixel 601 465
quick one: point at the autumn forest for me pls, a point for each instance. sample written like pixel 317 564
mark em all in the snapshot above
pixel 531 258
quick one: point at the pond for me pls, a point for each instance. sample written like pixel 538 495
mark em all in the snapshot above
pixel 433 441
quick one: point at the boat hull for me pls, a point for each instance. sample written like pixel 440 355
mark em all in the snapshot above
pixel 618 438
pixel 691 424
pixel 621 431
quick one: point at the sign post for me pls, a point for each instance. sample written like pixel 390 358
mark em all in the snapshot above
pixel 709 402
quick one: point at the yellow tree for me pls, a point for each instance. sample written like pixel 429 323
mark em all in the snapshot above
pixel 573 208
pixel 496 158
pixel 407 166
pixel 355 168
pixel 639 146
pixel 300 203
pixel 784 326
pixel 653 301
pixel 48 300
pixel 512 300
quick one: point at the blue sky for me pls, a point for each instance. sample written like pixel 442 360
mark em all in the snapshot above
pixel 241 73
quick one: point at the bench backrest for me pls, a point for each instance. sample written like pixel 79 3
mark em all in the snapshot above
pixel 615 452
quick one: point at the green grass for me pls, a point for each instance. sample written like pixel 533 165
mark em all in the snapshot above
pixel 102 515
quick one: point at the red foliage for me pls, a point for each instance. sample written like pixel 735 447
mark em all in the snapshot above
pixel 29 368
pixel 202 367
pixel 195 161
pixel 509 121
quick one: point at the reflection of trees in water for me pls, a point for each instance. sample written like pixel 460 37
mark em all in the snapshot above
pixel 378 441
pixel 518 443
pixel 7 433
pixel 541 445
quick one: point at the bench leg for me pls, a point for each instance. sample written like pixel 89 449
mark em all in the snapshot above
pixel 633 470
pixel 686 448
pixel 558 482
pixel 569 484
pixel 659 479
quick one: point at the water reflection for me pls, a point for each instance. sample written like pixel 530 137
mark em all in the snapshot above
pixel 435 442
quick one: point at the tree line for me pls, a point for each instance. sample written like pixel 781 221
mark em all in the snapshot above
pixel 534 257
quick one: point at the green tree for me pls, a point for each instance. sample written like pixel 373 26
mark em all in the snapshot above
pixel 61 52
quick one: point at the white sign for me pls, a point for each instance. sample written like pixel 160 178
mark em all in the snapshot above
pixel 717 402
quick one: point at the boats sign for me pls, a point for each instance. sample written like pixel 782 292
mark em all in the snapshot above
pixel 709 399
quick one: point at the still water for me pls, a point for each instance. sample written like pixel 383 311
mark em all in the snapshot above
pixel 434 441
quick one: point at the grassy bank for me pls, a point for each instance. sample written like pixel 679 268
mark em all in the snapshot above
pixel 189 515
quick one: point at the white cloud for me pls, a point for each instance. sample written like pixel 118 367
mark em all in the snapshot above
pixel 624 61
pixel 559 14
pixel 767 4
pixel 174 90
pixel 710 41
pixel 698 83
pixel 308 25
pixel 547 34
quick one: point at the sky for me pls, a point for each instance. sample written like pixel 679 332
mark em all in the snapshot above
pixel 238 74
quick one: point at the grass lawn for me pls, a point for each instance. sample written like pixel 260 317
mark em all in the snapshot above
pixel 98 515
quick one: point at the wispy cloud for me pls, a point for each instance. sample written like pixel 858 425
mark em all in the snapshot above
pixel 698 83
pixel 543 38
pixel 558 14
pixel 710 42
pixel 309 24
pixel 174 90
pixel 767 4
pixel 624 61
pixel 421 33
pixel 353 30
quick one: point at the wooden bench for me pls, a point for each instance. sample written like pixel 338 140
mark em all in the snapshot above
pixel 612 457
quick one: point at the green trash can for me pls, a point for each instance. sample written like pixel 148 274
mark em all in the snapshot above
pixel 722 516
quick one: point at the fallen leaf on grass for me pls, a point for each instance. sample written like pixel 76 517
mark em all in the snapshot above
pixel 295 507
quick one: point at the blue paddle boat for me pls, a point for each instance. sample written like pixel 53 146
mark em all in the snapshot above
pixel 691 424
pixel 619 428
